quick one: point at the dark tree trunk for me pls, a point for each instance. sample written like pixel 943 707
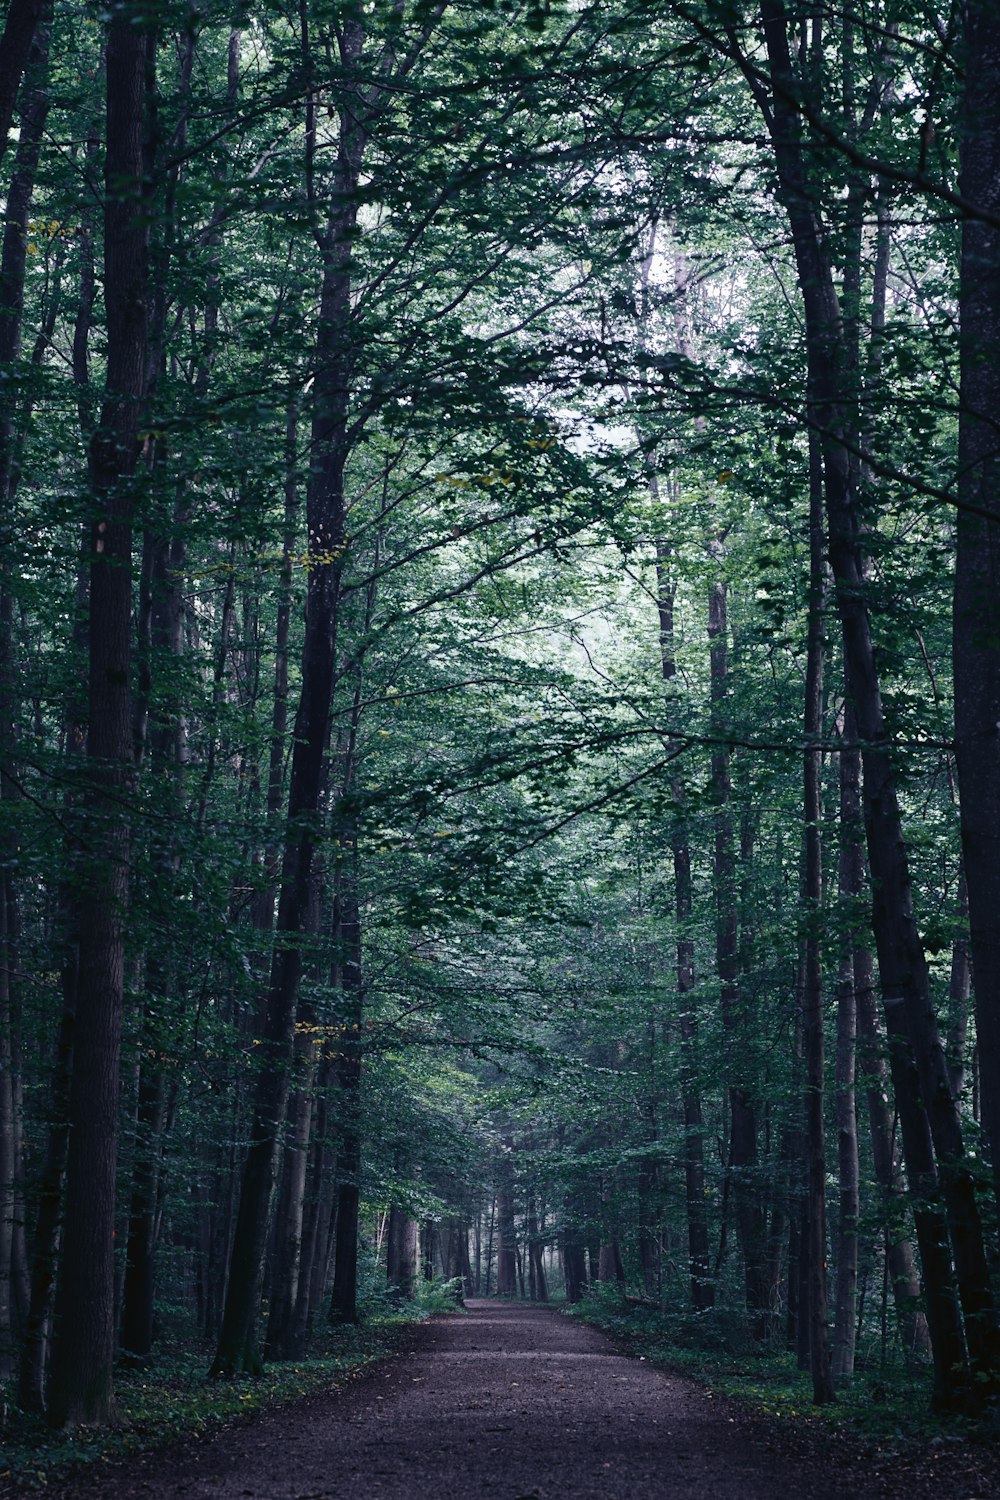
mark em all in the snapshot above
pixel 812 1026
pixel 33 112
pixel 34 1350
pixel 977 568
pixel 845 1317
pixel 138 1304
pixel 609 1259
pixel 165 729
pixel 23 20
pixel 902 967
pixel 902 1268
pixel 742 1166
pixel 702 1288
pixel 507 1235
pixel 283 1341
pixel 959 993
pixel 344 1301
pixel 238 1348
pixel 539 1285
pixel 81 1384
pixel 318 1209
pixel 574 1266
pixel 401 1253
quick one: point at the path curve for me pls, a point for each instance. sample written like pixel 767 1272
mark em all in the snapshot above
pixel 504 1402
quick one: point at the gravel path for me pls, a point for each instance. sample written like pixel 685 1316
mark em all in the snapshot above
pixel 506 1402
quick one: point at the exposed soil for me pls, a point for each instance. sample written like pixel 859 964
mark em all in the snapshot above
pixel 519 1403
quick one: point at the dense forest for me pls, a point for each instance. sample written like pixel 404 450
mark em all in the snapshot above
pixel 499 674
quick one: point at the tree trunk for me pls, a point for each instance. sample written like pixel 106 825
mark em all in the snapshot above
pixel 81 1386
pixel 164 727
pixel 401 1253
pixel 344 1303
pixel 507 1249
pixel 702 1288
pixel 742 1168
pixel 282 1342
pixel 318 1208
pixel 23 20
pixel 845 1319
pixel 33 112
pixel 902 1268
pixel 14 421
pixel 902 966
pixel 812 1027
pixel 977 566
pixel 237 1350
pixel 138 1307
pixel 539 1285
pixel 959 993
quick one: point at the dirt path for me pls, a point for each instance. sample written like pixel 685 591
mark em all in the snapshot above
pixel 506 1402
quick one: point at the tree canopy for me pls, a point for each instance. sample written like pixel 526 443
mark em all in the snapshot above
pixel 498 674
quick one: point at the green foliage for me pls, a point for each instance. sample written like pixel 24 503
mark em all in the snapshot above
pixel 576 391
pixel 169 1399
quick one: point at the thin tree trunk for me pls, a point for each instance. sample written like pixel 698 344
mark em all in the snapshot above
pixel 742 1167
pixel 902 1267
pixel 845 1319
pixel 344 1301
pixel 164 727
pixel 959 993
pixel 507 1250
pixel 702 1288
pixel 138 1304
pixel 812 1028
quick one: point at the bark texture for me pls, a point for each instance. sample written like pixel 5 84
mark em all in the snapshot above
pixel 81 1383
pixel 977 564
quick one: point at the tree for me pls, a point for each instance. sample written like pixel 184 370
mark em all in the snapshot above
pixel 81 1381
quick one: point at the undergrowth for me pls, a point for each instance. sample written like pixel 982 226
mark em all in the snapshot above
pixel 884 1404
pixel 171 1398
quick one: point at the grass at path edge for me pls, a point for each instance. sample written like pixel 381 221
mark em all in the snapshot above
pixel 172 1400
pixel 884 1411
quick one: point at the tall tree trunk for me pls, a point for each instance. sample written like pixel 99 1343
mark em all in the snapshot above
pixel 318 1208
pixel 959 993
pixel 33 112
pixel 282 1340
pixel 344 1301
pixel 507 1250
pixel 138 1294
pixel 902 966
pixel 812 1027
pixel 977 567
pixel 164 715
pixel 845 1316
pixel 23 20
pixel 238 1349
pixel 81 1387
pixel 742 1166
pixel 699 1262
pixel 904 1280
pixel 34 1349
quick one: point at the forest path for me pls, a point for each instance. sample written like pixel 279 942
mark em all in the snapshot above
pixel 507 1402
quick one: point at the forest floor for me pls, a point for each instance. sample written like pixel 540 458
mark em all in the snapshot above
pixel 520 1403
